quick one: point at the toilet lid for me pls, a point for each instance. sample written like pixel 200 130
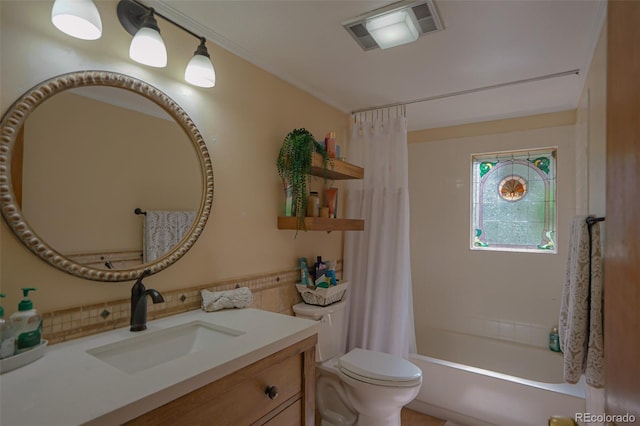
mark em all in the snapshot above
pixel 379 368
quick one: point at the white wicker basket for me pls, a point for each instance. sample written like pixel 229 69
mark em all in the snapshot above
pixel 323 296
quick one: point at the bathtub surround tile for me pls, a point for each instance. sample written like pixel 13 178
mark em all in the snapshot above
pixel 455 321
pixel 523 333
pixel 539 336
pixel 506 330
pixel 473 325
pixel 529 334
pixel 273 291
pixel 491 328
pixel 477 326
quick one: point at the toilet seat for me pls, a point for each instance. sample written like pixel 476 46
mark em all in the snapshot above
pixel 379 368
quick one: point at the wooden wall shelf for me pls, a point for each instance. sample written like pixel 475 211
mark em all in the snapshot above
pixel 321 224
pixel 341 169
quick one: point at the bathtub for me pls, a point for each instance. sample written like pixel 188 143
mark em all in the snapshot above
pixel 493 382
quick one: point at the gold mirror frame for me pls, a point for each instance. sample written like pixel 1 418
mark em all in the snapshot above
pixel 12 123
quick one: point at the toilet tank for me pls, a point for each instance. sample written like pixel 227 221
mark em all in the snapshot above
pixel 332 327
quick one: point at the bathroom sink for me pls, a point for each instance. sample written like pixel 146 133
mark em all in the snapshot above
pixel 151 349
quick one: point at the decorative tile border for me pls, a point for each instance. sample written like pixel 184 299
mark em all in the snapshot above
pixel 273 291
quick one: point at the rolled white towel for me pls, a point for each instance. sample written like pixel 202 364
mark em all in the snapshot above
pixel 217 300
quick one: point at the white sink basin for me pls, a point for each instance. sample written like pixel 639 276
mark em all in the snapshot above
pixel 142 352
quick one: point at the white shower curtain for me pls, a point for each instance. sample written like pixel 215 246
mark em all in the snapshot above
pixel 376 260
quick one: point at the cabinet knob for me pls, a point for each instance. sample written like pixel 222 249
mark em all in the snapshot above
pixel 271 392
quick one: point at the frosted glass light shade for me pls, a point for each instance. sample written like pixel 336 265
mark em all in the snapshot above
pixel 392 29
pixel 148 48
pixel 77 18
pixel 200 72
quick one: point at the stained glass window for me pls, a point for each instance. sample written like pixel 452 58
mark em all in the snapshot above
pixel 514 201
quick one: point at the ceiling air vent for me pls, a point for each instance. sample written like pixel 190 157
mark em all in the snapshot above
pixel 422 13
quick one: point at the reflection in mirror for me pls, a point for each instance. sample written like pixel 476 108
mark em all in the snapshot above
pixel 88 164
pixel 85 150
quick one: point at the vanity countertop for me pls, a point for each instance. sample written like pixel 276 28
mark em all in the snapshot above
pixel 68 386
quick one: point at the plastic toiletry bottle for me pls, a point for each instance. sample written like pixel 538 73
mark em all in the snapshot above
pixel 554 340
pixel 7 337
pixel 331 272
pixel 320 270
pixel 313 205
pixel 27 324
pixel 330 144
pixel 304 272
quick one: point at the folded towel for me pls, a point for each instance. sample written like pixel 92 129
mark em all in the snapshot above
pixel 580 325
pixel 216 300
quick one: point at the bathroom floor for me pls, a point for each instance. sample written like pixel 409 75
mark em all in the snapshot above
pixel 409 418
pixel 414 418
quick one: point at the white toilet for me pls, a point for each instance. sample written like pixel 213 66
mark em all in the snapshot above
pixel 362 387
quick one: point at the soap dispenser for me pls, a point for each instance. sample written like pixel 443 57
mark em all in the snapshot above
pixel 27 324
pixel 554 340
pixel 7 337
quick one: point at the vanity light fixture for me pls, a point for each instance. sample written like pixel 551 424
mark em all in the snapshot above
pixel 199 71
pixel 148 48
pixel 77 18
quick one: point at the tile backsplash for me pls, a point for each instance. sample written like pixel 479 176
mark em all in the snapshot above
pixel 273 292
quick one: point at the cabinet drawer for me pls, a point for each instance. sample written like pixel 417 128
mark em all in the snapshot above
pixel 247 401
pixel 290 416
pixel 237 399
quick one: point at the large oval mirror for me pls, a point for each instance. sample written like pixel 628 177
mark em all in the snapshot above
pixel 103 176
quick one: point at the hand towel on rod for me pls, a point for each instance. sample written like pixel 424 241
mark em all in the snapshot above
pixel 580 325
pixel 163 230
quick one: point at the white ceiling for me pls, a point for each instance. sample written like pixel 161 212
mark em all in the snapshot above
pixel 484 44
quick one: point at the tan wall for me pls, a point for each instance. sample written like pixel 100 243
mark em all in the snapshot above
pixel 243 120
pixel 507 125
pixel 506 295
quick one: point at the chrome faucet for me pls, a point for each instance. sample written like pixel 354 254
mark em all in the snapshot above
pixel 139 302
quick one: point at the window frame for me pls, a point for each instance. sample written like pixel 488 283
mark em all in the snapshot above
pixel 550 218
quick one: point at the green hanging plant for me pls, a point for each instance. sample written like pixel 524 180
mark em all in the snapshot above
pixel 294 166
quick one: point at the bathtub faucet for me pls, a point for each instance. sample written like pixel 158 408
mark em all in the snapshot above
pixel 139 302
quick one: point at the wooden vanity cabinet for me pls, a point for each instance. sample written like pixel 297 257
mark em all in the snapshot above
pixel 242 397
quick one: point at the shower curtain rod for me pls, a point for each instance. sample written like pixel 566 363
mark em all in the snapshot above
pixel 465 92
pixel 400 110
